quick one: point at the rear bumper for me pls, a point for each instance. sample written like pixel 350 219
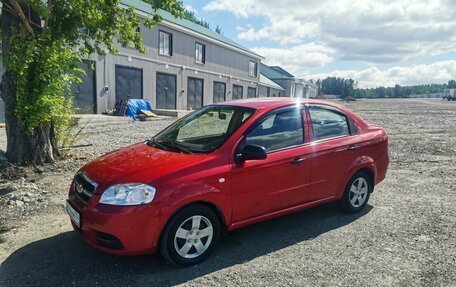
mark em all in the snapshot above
pixel 131 230
pixel 381 167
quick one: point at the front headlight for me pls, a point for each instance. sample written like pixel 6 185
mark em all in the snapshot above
pixel 128 194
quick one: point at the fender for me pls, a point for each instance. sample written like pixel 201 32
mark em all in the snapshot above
pixel 188 193
pixel 358 164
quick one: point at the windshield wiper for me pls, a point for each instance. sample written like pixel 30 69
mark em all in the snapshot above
pixel 173 144
pixel 154 143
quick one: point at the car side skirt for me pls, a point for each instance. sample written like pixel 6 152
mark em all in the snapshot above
pixel 279 213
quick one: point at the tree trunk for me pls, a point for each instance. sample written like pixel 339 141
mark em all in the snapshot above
pixel 22 148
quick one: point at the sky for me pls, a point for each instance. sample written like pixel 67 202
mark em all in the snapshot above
pixel 374 42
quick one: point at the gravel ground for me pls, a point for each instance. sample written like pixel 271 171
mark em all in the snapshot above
pixel 405 237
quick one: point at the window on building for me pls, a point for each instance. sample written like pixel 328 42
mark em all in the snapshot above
pixel 166 44
pixel 253 69
pixel 237 92
pixel 200 53
pixel 251 92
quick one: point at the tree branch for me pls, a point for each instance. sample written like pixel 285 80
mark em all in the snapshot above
pixel 46 21
pixel 7 7
pixel 21 15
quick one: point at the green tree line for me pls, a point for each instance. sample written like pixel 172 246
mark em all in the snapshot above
pixel 347 88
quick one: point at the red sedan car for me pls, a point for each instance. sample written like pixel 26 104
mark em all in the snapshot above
pixel 224 167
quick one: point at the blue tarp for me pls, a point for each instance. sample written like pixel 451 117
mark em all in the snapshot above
pixel 134 107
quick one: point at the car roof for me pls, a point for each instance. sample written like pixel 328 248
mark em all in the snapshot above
pixel 270 103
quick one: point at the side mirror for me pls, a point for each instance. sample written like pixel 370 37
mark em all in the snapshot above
pixel 252 152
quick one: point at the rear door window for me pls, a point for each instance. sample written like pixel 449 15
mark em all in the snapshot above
pixel 327 123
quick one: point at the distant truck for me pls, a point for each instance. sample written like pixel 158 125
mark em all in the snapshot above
pixel 449 94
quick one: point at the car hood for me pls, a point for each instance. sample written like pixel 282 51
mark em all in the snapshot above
pixel 137 163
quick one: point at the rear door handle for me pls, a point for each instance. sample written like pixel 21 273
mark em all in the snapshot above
pixel 298 160
pixel 353 148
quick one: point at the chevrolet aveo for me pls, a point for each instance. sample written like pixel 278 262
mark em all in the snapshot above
pixel 224 167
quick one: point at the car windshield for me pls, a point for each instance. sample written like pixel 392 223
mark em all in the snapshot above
pixel 202 131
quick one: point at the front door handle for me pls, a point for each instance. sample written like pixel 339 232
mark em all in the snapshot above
pixel 298 161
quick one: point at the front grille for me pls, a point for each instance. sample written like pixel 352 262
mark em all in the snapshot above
pixel 83 187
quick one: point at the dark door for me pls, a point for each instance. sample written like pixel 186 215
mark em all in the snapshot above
pixel 194 93
pixel 251 93
pixel 166 91
pixel 237 92
pixel 282 179
pixel 129 83
pixel 84 94
pixel 268 92
pixel 219 92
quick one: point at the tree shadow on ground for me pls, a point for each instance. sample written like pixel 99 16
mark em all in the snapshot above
pixel 65 260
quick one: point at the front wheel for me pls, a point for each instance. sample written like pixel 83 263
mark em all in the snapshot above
pixel 190 235
pixel 357 192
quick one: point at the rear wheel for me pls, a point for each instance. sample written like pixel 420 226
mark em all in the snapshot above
pixel 357 192
pixel 190 235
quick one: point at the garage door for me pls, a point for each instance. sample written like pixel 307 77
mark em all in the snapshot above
pixel 129 83
pixel 84 93
pixel 195 93
pixel 219 92
pixel 166 91
pixel 237 92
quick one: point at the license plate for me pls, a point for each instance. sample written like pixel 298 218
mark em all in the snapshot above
pixel 74 215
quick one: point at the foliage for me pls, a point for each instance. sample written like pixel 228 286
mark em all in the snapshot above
pixel 402 91
pixel 218 30
pixel 338 86
pixel 43 81
pixel 47 47
pixel 347 88
pixel 451 84
pixel 190 15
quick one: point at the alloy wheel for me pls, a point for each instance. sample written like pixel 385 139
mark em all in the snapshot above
pixel 358 192
pixel 193 237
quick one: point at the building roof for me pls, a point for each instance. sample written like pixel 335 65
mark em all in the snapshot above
pixel 282 71
pixel 265 81
pixel 275 73
pixel 146 8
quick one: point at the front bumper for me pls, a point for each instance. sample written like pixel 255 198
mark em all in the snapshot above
pixel 123 230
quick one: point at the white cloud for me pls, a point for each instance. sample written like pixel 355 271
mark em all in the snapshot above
pixel 375 31
pixel 297 59
pixel 439 72
pixel 191 9
pixel 250 34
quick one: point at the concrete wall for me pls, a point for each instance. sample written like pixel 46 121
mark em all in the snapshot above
pixel 221 65
pixel 288 85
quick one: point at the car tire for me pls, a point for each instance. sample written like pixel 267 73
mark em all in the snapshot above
pixel 357 192
pixel 190 235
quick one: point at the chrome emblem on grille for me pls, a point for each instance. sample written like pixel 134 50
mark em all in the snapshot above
pixel 78 187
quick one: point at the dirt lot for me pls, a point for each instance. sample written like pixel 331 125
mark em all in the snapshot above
pixel 405 237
